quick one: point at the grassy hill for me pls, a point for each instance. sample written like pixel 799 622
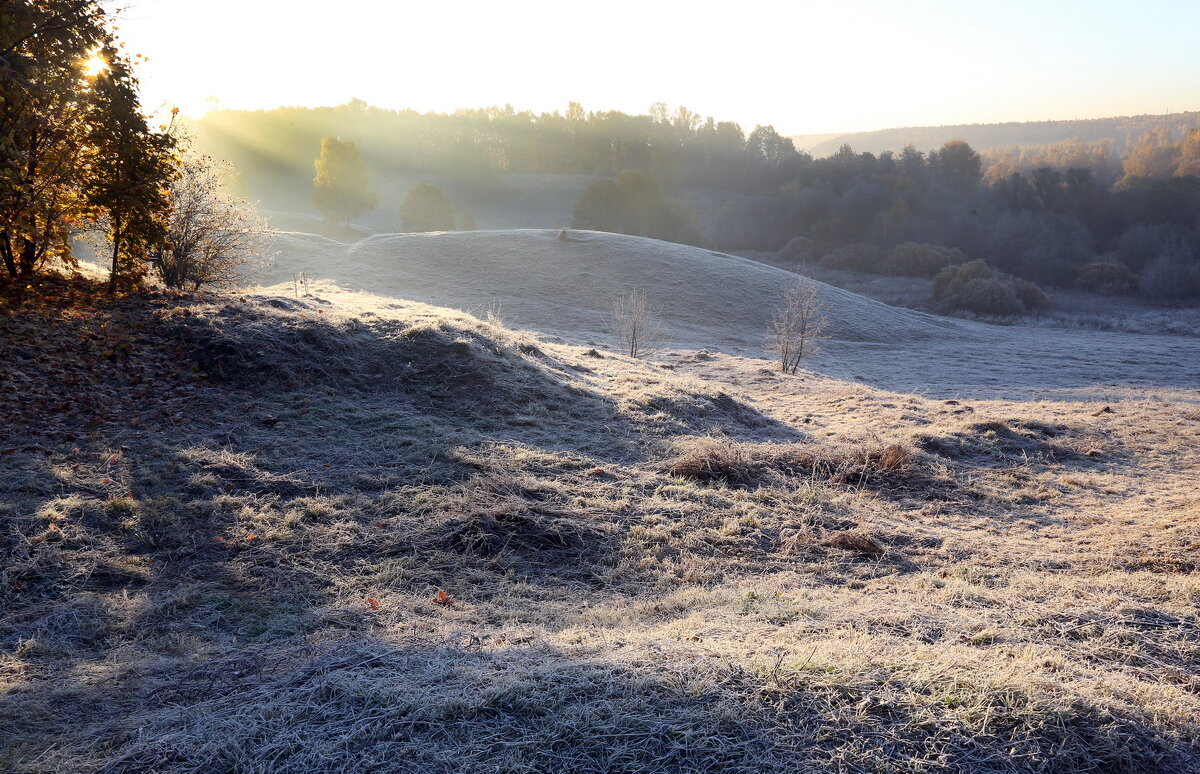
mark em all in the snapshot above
pixel 349 532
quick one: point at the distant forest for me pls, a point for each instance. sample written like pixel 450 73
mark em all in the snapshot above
pixel 1047 214
pixel 677 147
pixel 1121 132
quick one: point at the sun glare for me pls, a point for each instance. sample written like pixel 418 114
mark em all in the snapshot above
pixel 94 65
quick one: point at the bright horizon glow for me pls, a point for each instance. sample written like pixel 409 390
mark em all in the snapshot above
pixel 805 67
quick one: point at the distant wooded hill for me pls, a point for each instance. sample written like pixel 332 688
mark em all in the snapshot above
pixel 1123 131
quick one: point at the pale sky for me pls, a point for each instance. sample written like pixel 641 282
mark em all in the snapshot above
pixel 806 67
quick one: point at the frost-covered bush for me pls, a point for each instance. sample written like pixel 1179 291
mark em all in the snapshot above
pixel 913 259
pixel 988 296
pixel 1030 295
pixel 1108 277
pixel 977 287
pixel 861 256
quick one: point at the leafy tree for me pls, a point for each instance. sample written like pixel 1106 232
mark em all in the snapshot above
pixel 1155 156
pixel 131 168
pixel 75 149
pixel 44 106
pixel 426 208
pixel 600 207
pixel 960 165
pixel 765 144
pixel 642 203
pixel 342 187
pixel 1189 155
pixel 634 204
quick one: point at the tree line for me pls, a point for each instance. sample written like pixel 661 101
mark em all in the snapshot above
pixel 1048 214
pixel 1048 224
pixel 677 147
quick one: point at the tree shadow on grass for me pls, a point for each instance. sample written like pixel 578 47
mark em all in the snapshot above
pixel 369 704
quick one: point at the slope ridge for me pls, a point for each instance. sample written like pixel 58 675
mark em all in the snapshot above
pixel 566 286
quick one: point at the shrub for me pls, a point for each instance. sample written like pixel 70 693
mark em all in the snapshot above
pixel 798 250
pixel 857 257
pixel 1030 295
pixel 977 287
pixel 988 296
pixel 949 281
pixel 1107 277
pixel 913 259
pixel 213 238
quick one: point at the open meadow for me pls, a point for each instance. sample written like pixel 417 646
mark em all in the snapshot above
pixel 352 532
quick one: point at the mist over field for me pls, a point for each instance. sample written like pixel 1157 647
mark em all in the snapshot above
pixel 508 419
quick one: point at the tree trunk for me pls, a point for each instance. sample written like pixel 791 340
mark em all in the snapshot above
pixel 28 257
pixel 6 253
pixel 116 252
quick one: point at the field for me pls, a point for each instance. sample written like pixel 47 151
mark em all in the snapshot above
pixel 349 532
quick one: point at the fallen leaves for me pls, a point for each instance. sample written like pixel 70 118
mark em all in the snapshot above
pixel 442 598
pixel 373 603
pixel 76 357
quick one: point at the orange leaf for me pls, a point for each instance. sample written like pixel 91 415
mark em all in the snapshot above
pixel 443 598
pixel 373 603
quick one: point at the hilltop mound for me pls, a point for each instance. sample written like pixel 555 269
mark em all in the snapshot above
pixel 566 286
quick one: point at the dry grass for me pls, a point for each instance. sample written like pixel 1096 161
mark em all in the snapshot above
pixel 885 467
pixel 709 460
pixel 856 542
pixel 705 570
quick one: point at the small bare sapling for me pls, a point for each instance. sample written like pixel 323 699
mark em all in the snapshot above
pixel 635 324
pixel 796 326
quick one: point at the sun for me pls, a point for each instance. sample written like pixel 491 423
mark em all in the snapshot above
pixel 94 65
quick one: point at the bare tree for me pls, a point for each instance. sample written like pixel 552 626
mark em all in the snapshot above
pixel 212 236
pixel 635 323
pixel 796 326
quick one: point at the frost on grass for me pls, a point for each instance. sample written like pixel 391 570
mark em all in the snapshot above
pixel 386 536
